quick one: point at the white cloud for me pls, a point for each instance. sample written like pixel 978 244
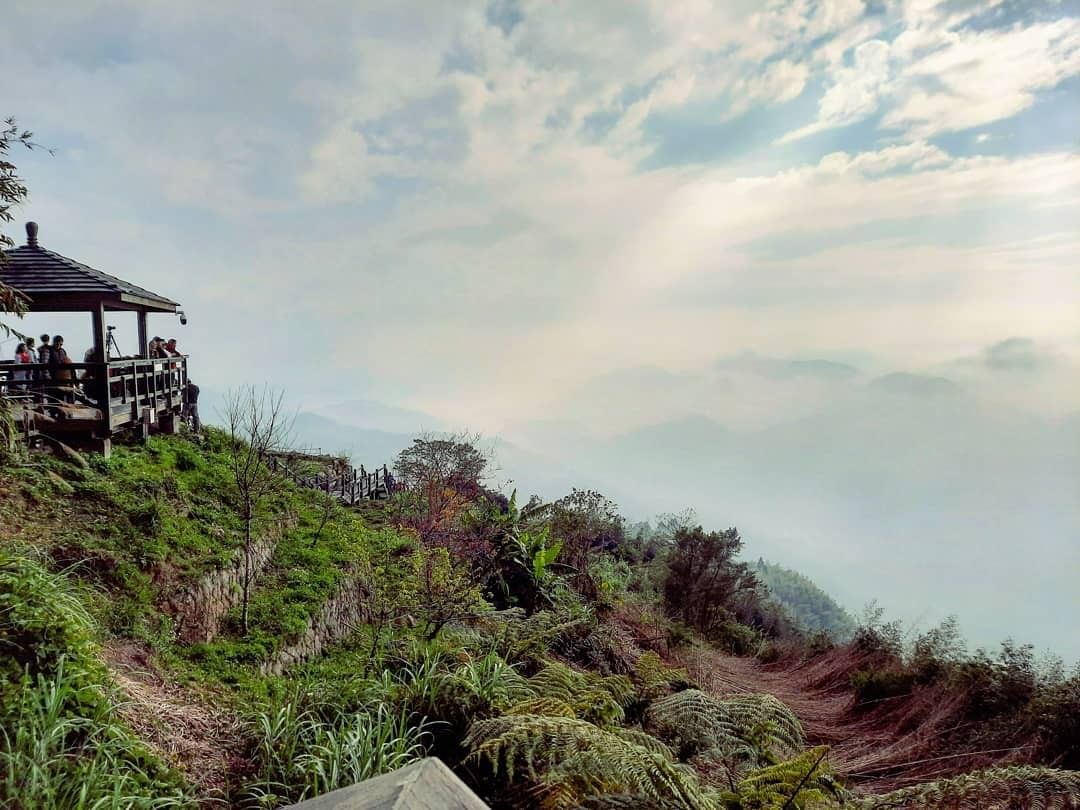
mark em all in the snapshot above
pixel 985 76
pixel 937 76
pixel 476 198
pixel 855 91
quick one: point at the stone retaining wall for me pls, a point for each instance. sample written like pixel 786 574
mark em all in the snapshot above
pixel 340 615
pixel 198 610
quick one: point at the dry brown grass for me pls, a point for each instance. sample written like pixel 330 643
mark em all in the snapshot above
pixel 180 725
pixel 900 742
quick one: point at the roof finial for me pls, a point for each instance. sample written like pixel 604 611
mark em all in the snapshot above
pixel 31 234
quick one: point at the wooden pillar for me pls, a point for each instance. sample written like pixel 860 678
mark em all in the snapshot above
pixel 100 375
pixel 143 339
pixel 98 315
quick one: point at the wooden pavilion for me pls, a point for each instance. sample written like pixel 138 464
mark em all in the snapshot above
pixel 93 398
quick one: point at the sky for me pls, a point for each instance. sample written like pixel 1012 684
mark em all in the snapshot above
pixel 541 219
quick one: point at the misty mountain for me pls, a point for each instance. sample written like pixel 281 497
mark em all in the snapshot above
pixel 908 488
pixel 372 448
pixel 933 501
pixel 372 415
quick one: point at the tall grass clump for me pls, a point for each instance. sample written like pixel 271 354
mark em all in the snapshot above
pixel 299 751
pixel 62 744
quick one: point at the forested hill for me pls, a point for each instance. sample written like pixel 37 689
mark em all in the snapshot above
pixel 811 607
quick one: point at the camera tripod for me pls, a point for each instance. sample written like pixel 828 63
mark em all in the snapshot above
pixel 110 343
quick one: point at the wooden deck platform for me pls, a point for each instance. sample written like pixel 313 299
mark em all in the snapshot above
pixel 95 401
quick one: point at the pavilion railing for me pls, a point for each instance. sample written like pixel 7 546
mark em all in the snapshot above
pixel 114 395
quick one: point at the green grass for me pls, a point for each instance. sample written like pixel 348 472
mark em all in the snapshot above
pixel 62 744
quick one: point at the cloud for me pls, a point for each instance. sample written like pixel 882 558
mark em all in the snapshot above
pixel 1019 354
pixel 854 93
pixel 939 75
pixel 472 193
pixel 985 76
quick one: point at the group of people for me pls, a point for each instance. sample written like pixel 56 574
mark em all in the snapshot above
pixel 50 353
pixel 159 347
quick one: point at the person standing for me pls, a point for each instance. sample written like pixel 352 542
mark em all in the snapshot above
pixel 22 356
pixel 191 403
pixel 58 358
pixel 156 350
pixel 30 347
pixel 170 348
pixel 45 356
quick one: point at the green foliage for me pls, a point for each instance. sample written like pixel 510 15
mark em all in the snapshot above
pixel 705 584
pixel 299 753
pixel 560 629
pixel 42 621
pixel 519 572
pixel 801 782
pixel 62 747
pixel 62 744
pixel 812 608
pixel 611 580
pixel 739 733
pixel 598 699
pixel 993 789
pixel 12 193
pixel 585 521
pixel 731 635
pixel 567 759
pixel 654 678
pixel 875 685
pixel 439 591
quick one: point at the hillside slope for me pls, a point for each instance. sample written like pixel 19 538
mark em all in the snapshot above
pixel 367 646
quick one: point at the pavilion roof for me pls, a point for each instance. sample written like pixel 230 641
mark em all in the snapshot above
pixel 53 282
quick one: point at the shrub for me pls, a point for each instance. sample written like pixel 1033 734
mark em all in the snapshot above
pixel 734 637
pixel 42 620
pixel 875 685
pixel 61 743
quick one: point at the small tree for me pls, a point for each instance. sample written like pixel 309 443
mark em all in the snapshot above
pixel 12 194
pixel 440 478
pixel 440 591
pixel 705 583
pixel 257 428
pixel 585 521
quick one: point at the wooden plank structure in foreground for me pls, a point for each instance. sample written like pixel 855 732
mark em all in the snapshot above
pixel 424 785
pixel 96 399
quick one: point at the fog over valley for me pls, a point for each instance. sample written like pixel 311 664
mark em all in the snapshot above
pixel 951 490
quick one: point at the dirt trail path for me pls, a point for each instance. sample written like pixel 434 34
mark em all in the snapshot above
pixel 874 755
pixel 182 726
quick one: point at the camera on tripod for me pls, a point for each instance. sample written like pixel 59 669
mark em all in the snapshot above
pixel 111 349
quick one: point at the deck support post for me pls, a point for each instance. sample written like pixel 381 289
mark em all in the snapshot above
pixel 143 339
pixel 168 423
pixel 90 444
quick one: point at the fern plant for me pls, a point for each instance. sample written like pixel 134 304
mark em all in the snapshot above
pixel 654 678
pixel 993 789
pixel 567 759
pixel 559 630
pixel 801 782
pixel 598 699
pixel 740 733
